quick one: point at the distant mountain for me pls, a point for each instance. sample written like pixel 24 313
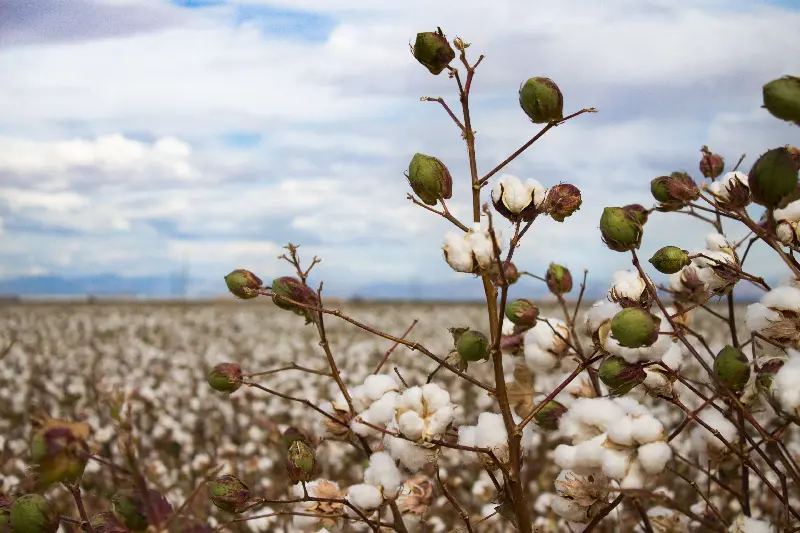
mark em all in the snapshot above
pixel 99 285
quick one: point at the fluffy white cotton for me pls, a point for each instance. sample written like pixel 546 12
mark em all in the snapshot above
pixel 516 195
pixel 636 477
pixel 411 425
pixel 716 242
pixel 601 312
pixel 569 510
pixel 436 424
pixel 627 284
pixel 616 463
pixel 375 386
pixel 411 456
pixel 758 316
pixel 745 524
pixel 435 397
pixel 542 345
pixel 383 472
pixel 490 431
pixel 786 384
pixel 588 417
pixel 365 496
pixel 791 212
pixel 378 414
pixel 411 398
pixel 458 252
pixel 654 456
pixel 721 187
pixel 621 431
pixel 646 429
pixel 784 297
pixel 704 442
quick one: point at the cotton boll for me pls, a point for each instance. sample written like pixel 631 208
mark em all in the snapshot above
pixel 383 411
pixel 375 386
pixel 383 472
pixel 601 312
pixel 616 463
pixel 540 360
pixel 673 358
pixel 365 496
pixel 564 456
pixel 438 422
pixel 785 384
pixel 411 399
pixel 410 455
pixel 435 397
pixel 631 406
pixel 654 456
pixel 635 478
pixel 597 412
pixel 758 316
pixel 411 425
pixel 627 284
pixel 646 429
pixel 305 523
pixel 490 431
pixel 783 298
pixel 589 455
pixel 569 510
pixel 621 431
pixel 458 252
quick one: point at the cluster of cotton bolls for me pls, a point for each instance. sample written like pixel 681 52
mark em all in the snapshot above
pixel 707 273
pixel 545 344
pixel 473 250
pixel 787 220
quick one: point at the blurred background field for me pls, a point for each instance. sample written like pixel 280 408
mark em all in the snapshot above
pixel 67 358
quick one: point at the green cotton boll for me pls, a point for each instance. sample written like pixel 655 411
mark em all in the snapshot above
pixel 541 99
pixel 634 328
pixel 782 98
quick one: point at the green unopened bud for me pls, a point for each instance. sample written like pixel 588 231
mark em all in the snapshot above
pixel 294 289
pixel 542 101
pixel 243 284
pixel 674 191
pixel 229 493
pixel 225 377
pixel 301 462
pixel 522 313
pixel 33 513
pixel 782 98
pixel 107 523
pixel 433 51
pixel 559 279
pixel 711 165
pixel 472 346
pixel 429 179
pixel 562 201
pixel 634 328
pixel 619 375
pixel 293 434
pixel 130 508
pixel 732 368
pixel 548 417
pixel 773 177
pixel 767 372
pixel 620 230
pixel 670 259
pixel 59 452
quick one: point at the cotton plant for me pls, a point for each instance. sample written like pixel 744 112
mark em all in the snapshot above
pixel 523 414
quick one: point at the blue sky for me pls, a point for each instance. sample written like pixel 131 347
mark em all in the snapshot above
pixel 138 134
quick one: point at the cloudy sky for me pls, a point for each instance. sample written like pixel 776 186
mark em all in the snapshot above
pixel 136 135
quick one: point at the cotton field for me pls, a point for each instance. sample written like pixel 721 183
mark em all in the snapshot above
pixel 149 362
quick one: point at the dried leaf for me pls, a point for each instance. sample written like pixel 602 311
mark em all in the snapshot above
pixel 520 391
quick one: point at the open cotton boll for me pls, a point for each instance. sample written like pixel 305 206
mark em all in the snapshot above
pixel 616 463
pixel 786 384
pixel 631 406
pixel 601 312
pixel 569 509
pixel 646 429
pixel 716 242
pixel 621 431
pixel 466 437
pixel 635 479
pixel 411 425
pixel 654 456
pixel 720 188
pixel 790 212
pixel 673 358
pixel 409 454
pixel 539 359
pixel 458 252
pixel 383 472
pixel 597 412
pixel 435 397
pixel 627 284
pixel 785 297
pixel 745 524
pixel 375 386
pixel 383 410
pixel 490 431
pixel 365 496
pixel 437 423
pixel 305 523
pixel 758 316
pixel 410 399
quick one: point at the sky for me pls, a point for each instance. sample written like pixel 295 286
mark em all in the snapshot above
pixel 139 136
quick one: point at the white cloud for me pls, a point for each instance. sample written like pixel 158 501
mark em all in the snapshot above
pixel 118 139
